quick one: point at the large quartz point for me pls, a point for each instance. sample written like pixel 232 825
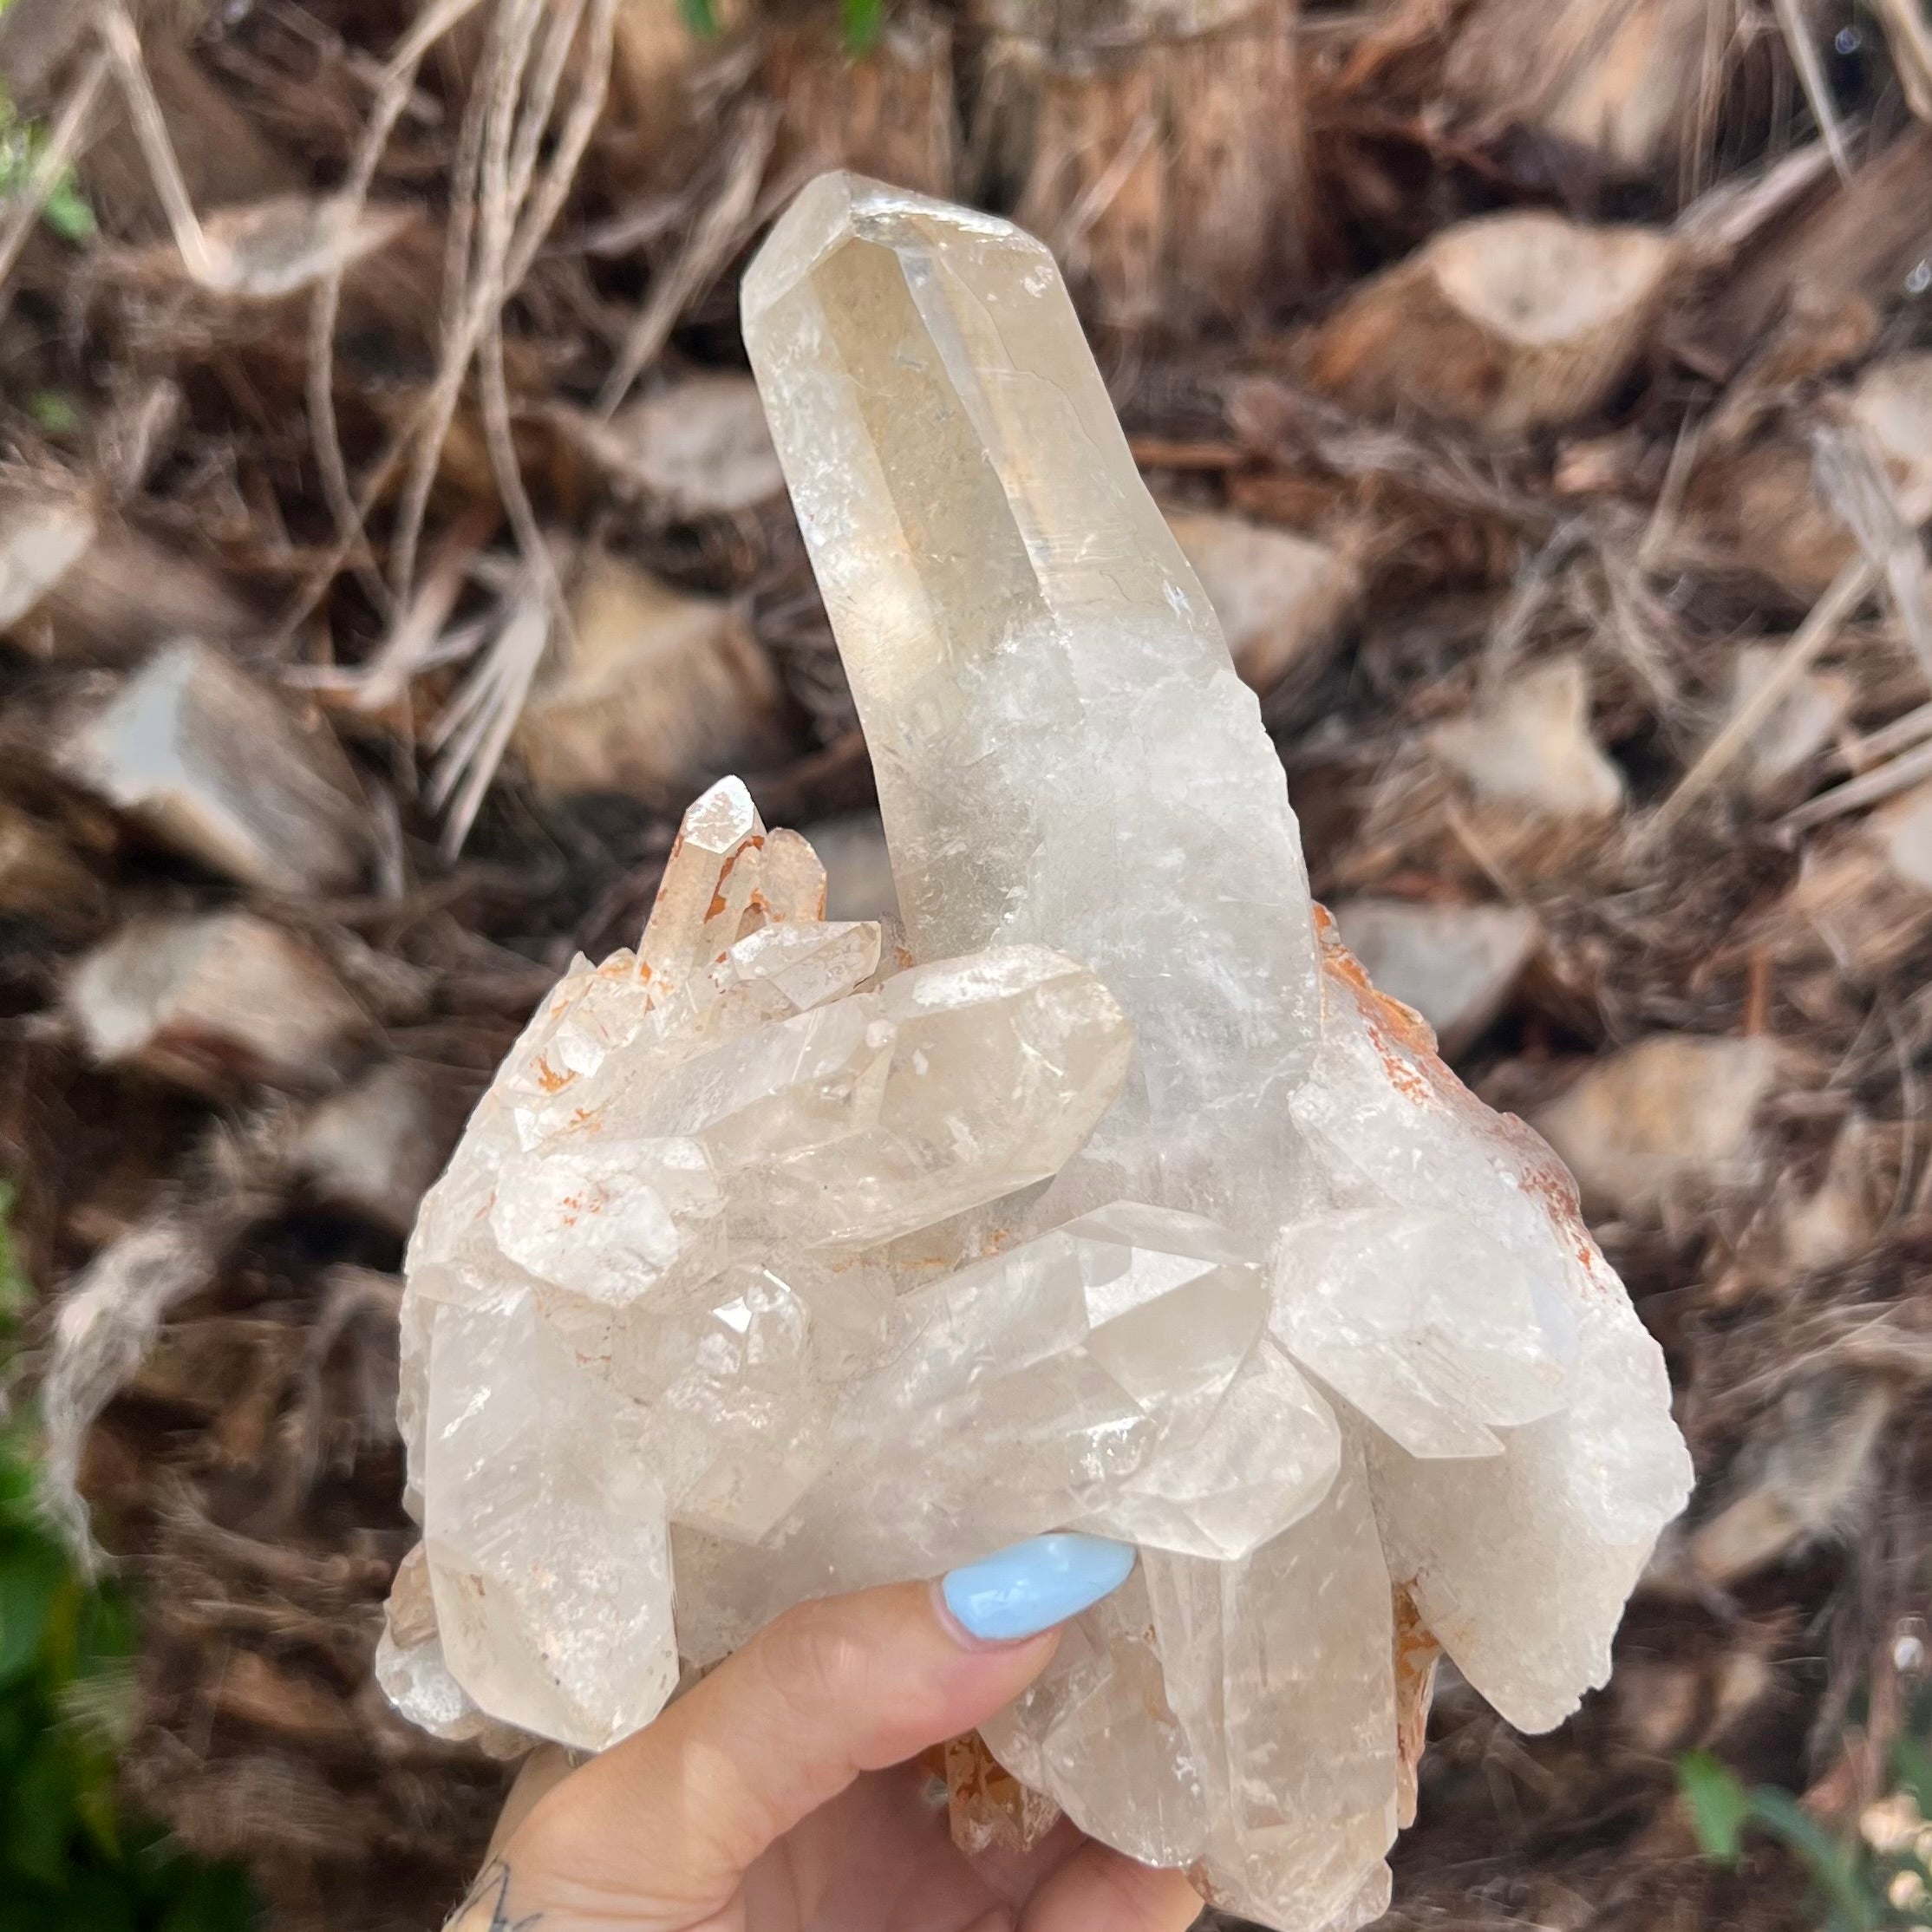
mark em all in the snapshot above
pixel 788 1256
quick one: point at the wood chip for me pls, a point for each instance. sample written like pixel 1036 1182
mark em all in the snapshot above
pixel 213 1002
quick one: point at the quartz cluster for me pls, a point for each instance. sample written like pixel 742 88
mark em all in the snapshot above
pixel 786 1256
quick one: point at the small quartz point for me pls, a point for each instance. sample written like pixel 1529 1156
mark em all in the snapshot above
pixel 784 1256
pixel 415 1676
pixel 500 1376
pixel 989 1807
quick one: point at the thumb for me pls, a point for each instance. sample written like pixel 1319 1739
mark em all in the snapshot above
pixel 664 1825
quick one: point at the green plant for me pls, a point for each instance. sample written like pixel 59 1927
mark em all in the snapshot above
pixel 54 411
pixel 861 19
pixel 70 1856
pixel 21 144
pixel 1876 1880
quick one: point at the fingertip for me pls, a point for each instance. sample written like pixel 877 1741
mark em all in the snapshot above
pixel 1036 1585
pixel 972 1642
pixel 962 1680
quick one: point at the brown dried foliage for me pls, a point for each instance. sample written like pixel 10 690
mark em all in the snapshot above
pixel 372 475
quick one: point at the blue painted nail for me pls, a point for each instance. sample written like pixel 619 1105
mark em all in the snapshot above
pixel 1019 1591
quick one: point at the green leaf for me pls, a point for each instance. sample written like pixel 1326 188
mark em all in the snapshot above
pixel 700 16
pixel 212 1898
pixel 66 213
pixel 28 1907
pixel 1912 1767
pixel 18 1504
pixel 32 1577
pixel 39 1809
pixel 65 210
pixel 23 1717
pixel 100 1900
pixel 69 1857
pixel 1720 1806
pixel 54 412
pixel 104 1635
pixel 93 1807
pixel 60 1643
pixel 16 1291
pixel 863 18
pixel 1831 1867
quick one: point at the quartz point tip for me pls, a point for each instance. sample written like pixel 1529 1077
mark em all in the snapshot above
pixel 786 1256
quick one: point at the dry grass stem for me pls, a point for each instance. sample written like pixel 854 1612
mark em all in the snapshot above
pixel 716 235
pixel 394 91
pixel 122 42
pixel 1868 788
pixel 1798 29
pixel 1852 585
pixel 1910 33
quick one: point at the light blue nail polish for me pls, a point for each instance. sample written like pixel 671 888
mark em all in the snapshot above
pixel 1019 1591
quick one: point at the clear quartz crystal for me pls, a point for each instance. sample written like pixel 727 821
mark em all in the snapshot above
pixel 780 1260
pixel 1064 751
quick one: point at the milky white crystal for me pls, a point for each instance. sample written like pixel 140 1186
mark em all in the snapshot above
pixel 786 1256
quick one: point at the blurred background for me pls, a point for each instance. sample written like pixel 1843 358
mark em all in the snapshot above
pixel 390 546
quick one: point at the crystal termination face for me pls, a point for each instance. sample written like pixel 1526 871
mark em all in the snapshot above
pixel 787 1256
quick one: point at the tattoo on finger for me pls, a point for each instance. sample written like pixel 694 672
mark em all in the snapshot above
pixel 487 1908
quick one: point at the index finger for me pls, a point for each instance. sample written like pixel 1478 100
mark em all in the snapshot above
pixel 663 1827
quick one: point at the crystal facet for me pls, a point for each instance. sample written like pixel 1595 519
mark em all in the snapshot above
pixel 783 1259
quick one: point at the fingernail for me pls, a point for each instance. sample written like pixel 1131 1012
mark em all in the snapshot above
pixel 1019 1591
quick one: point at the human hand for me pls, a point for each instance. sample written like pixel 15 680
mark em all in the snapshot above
pixel 777 1796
